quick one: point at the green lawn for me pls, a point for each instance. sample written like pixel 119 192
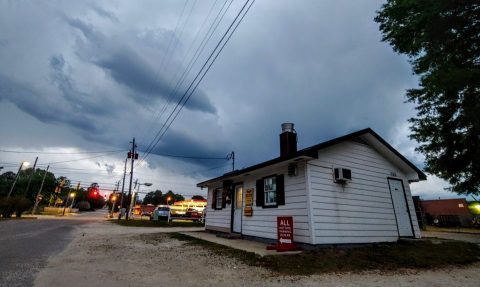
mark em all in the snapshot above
pixel 153 223
pixel 421 254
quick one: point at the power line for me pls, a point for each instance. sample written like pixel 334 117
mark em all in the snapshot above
pixel 44 152
pixel 186 96
pixel 55 162
pixel 190 65
pixel 173 91
pixel 192 157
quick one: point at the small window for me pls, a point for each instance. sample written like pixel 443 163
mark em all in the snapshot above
pixel 218 199
pixel 461 205
pixel 270 190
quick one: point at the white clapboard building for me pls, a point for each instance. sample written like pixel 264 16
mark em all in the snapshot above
pixel 351 189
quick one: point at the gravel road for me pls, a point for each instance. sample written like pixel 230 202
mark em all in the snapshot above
pixel 105 254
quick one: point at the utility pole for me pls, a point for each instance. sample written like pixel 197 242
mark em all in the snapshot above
pixel 31 175
pixel 123 186
pixel 37 198
pixel 132 155
pixel 15 181
pixel 231 156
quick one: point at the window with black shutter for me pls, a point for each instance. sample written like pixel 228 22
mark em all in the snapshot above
pixel 218 199
pixel 270 191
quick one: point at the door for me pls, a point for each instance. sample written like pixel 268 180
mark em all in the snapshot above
pixel 400 205
pixel 237 209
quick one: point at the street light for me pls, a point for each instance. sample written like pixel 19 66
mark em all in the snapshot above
pixel 134 193
pixel 72 195
pixel 24 163
pixel 114 198
pixel 168 199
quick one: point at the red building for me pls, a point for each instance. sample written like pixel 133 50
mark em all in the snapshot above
pixel 447 212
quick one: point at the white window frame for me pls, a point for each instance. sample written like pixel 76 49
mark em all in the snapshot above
pixel 269 189
pixel 218 202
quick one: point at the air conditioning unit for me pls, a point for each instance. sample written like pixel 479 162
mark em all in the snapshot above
pixel 292 169
pixel 342 175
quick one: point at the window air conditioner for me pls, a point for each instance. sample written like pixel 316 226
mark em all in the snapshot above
pixel 342 175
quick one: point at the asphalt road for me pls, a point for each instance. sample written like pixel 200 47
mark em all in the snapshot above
pixel 25 245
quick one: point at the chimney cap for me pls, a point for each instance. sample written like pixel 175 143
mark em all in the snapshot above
pixel 288 127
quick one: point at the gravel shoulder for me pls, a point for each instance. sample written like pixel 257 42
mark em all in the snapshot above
pixel 105 254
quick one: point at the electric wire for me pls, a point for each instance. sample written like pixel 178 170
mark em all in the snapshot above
pixel 158 114
pixel 192 62
pixel 44 152
pixel 185 98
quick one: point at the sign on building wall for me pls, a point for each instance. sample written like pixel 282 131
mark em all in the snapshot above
pixel 249 197
pixel 248 210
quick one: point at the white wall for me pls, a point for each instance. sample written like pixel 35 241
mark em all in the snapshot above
pixel 219 219
pixel 360 211
pixel 263 223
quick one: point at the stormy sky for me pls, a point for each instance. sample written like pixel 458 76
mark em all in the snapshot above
pixel 79 78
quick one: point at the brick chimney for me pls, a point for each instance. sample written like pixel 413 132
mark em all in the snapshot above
pixel 288 140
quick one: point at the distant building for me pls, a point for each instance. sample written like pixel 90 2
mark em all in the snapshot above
pixel 352 189
pixel 447 212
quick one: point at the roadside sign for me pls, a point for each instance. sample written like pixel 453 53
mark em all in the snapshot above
pixel 284 234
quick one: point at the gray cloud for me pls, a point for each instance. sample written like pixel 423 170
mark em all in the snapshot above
pixel 104 13
pixel 97 71
pixel 128 68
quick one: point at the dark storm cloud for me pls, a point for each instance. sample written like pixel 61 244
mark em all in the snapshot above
pixel 44 109
pixel 129 68
pixel 182 144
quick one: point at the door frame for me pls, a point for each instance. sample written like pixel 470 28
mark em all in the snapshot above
pixel 234 204
pixel 406 203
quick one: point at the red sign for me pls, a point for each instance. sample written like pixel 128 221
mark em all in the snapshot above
pixel 285 233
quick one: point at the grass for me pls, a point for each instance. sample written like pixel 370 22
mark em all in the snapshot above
pixel 154 223
pixel 422 254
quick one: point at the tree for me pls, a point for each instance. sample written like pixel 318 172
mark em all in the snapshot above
pixel 173 197
pixel 441 38
pixel 153 197
pixel 198 197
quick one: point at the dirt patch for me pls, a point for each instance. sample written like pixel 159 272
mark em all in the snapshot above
pixel 104 254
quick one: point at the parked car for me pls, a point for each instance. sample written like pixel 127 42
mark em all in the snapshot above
pixel 194 214
pixel 161 212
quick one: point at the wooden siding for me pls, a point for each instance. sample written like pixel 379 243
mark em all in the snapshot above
pixel 218 219
pixel 360 211
pixel 263 223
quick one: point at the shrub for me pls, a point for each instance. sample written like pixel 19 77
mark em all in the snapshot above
pixel 6 207
pixel 83 205
pixel 16 204
pixel 21 204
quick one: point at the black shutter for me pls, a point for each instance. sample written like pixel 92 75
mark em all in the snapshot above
pixel 259 192
pixel 280 190
pixel 224 197
pixel 214 199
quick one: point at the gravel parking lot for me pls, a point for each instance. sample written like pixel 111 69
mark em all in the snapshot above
pixel 105 254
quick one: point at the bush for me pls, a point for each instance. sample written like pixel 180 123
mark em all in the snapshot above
pixel 83 205
pixel 16 204
pixel 6 207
